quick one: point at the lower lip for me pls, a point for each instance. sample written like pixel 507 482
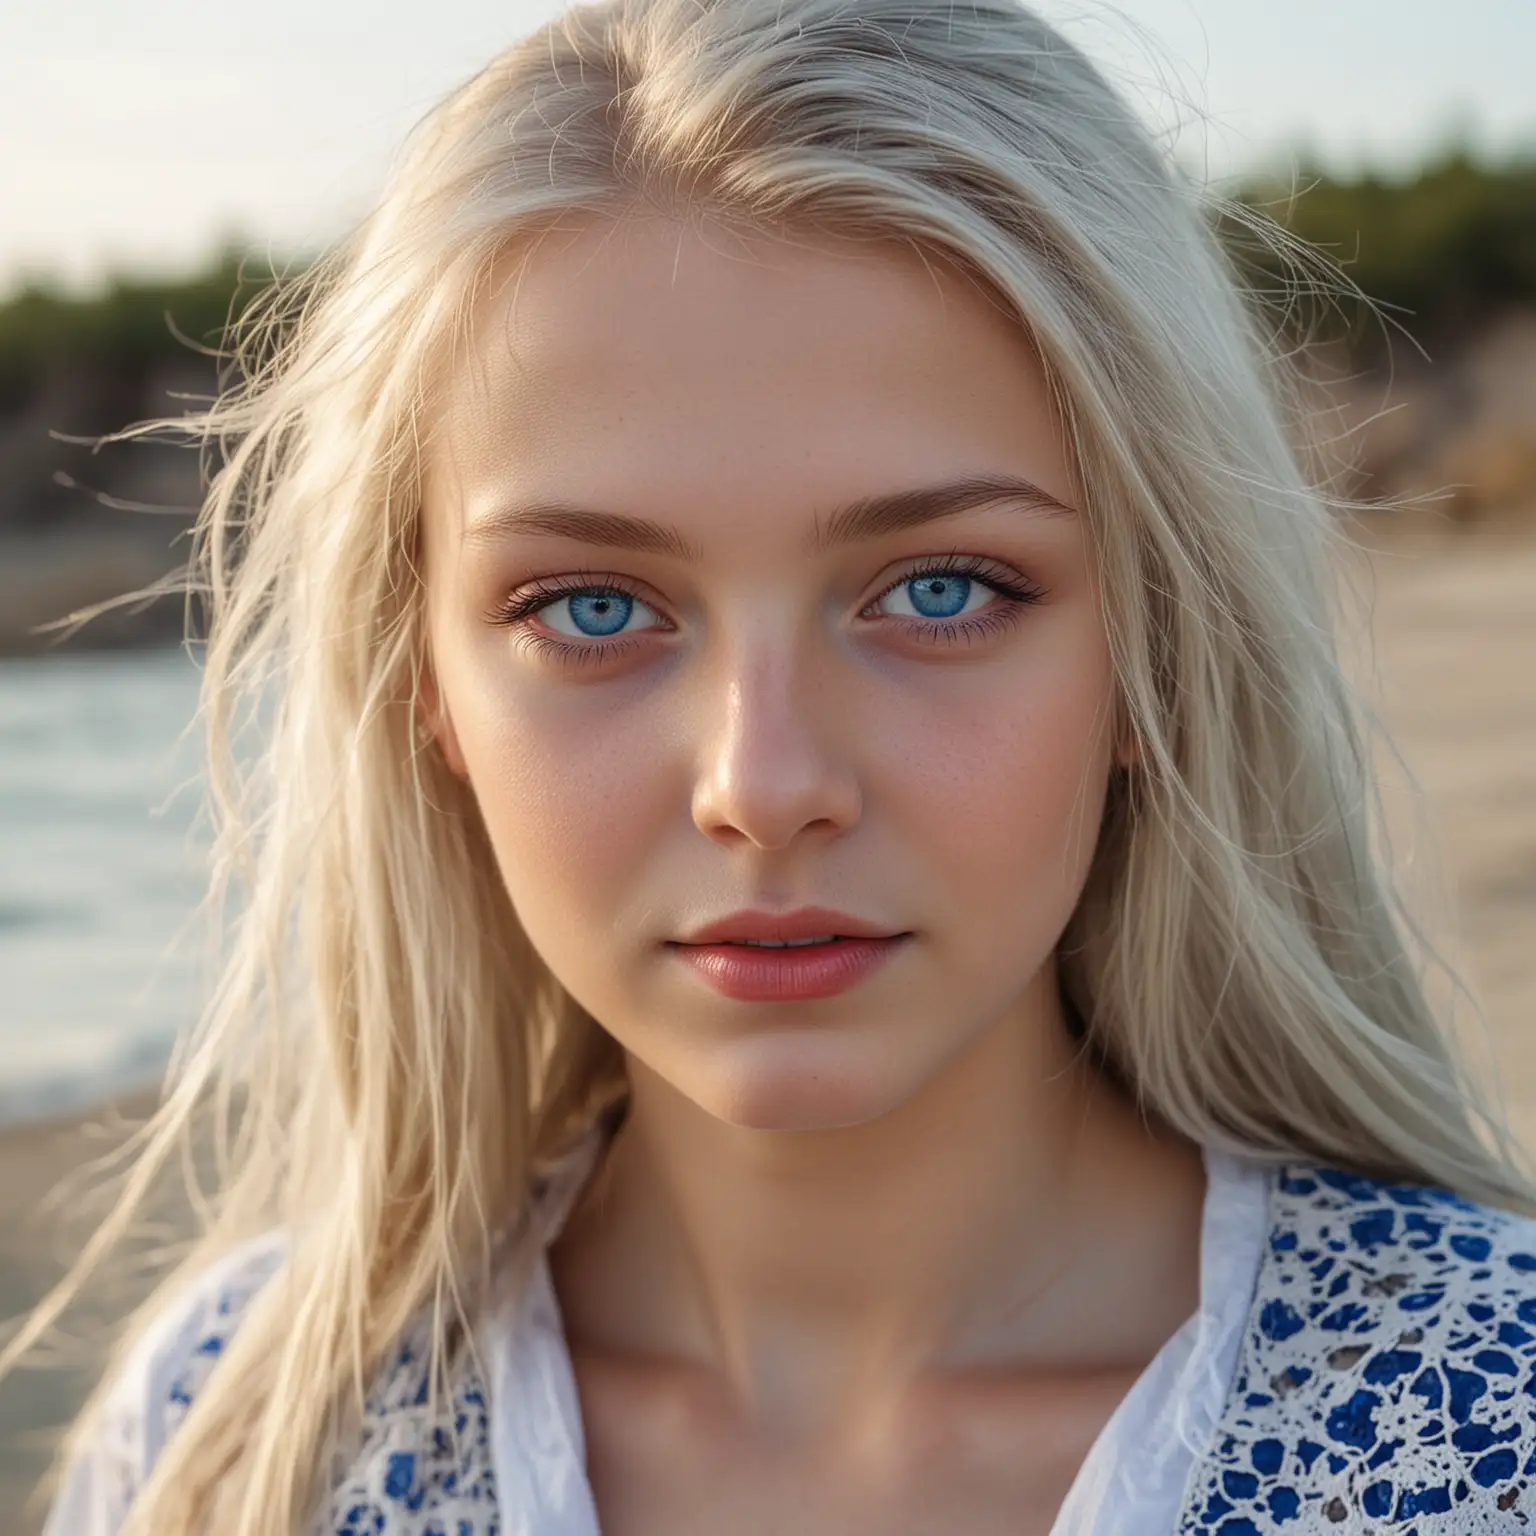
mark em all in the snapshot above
pixel 752 975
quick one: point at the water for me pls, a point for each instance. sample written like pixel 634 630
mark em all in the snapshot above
pixel 102 865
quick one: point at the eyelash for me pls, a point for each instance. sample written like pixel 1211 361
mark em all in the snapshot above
pixel 1018 593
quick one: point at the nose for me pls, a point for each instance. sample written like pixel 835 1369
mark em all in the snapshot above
pixel 773 764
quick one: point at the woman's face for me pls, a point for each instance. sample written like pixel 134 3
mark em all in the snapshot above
pixel 720 621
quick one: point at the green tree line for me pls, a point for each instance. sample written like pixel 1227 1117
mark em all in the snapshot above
pixel 1437 250
pixel 134 322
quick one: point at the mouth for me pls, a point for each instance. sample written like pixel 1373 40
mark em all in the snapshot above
pixel 804 927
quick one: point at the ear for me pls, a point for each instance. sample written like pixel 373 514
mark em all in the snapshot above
pixel 1127 753
pixel 434 723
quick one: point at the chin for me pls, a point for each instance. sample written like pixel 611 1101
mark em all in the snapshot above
pixel 786 1085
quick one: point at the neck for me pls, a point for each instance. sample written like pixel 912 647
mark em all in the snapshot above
pixel 818 1273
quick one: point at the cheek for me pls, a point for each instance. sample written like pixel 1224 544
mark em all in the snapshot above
pixel 1003 783
pixel 572 791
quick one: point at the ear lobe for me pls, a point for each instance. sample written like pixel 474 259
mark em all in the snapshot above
pixel 436 724
pixel 1127 752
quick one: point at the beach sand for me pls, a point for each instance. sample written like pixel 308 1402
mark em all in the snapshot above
pixel 35 1247
pixel 1442 637
pixel 1444 644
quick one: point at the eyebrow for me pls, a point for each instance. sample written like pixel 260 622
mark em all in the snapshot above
pixel 870 517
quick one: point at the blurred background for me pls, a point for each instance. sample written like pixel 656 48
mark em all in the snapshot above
pixel 153 152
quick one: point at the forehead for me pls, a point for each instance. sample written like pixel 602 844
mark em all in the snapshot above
pixel 638 361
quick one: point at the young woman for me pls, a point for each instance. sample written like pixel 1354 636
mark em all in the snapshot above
pixel 810 957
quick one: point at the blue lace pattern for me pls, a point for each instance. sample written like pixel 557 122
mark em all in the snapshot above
pixel 1387 1378
pixel 418 1471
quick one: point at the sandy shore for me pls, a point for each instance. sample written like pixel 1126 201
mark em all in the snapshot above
pixel 34 1249
pixel 1443 637
pixel 1444 642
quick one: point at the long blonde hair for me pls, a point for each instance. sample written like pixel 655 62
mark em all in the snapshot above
pixel 386 1058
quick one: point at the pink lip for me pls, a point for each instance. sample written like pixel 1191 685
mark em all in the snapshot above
pixel 802 923
pixel 787 975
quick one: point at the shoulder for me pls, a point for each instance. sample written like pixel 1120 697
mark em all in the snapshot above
pixel 1388 1367
pixel 156 1386
pixel 177 1356
pixel 421 1465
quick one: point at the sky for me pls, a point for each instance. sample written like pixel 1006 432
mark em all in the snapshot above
pixel 137 138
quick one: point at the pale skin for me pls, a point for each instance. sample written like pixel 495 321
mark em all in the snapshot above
pixel 885 1261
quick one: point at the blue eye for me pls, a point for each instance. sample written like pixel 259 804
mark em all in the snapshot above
pixel 937 595
pixel 595 612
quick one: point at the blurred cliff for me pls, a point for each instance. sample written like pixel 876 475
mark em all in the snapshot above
pixel 1428 401
pixel 82 522
pixel 1426 398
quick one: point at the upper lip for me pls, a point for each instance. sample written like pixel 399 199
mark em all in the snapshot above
pixel 803 923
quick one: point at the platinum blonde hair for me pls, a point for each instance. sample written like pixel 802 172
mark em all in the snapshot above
pixel 386 1058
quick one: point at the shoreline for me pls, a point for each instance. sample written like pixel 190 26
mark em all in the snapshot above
pixel 56 1140
pixel 65 1108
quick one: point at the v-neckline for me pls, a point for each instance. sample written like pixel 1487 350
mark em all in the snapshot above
pixel 1141 1457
